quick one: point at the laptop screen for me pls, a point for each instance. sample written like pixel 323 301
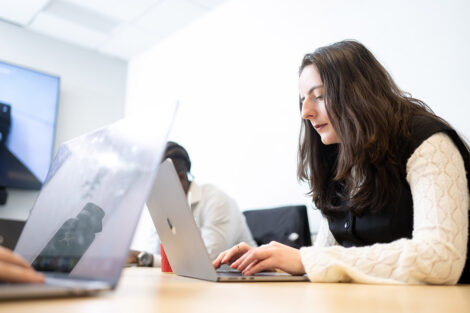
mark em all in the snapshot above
pixel 85 216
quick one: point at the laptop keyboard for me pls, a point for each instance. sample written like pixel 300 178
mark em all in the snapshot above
pixel 225 268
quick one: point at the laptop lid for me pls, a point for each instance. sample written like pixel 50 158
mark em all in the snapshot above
pixel 176 227
pixel 85 215
pixel 181 237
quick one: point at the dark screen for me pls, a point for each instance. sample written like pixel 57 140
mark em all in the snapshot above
pixel 28 109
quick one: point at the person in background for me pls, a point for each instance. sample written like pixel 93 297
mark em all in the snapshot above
pixel 389 177
pixel 218 217
pixel 16 270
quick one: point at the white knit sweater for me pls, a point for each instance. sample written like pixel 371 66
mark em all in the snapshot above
pixel 437 250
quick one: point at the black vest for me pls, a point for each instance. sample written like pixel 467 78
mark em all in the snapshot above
pixel 396 221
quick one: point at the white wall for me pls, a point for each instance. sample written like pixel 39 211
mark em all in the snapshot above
pixel 235 73
pixel 92 91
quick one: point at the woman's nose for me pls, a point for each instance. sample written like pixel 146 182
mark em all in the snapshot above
pixel 308 110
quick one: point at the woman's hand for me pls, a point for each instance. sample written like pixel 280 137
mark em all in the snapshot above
pixel 232 254
pixel 250 260
pixel 271 256
pixel 16 270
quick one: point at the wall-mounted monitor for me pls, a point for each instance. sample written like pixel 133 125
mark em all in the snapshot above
pixel 28 111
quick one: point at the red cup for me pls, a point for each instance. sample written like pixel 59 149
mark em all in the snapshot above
pixel 166 268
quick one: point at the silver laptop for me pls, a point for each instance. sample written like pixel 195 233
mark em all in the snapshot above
pixel 181 237
pixel 80 228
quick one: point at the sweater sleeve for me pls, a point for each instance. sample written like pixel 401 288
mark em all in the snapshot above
pixel 436 252
pixel 324 236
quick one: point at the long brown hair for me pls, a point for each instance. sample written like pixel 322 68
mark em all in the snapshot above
pixel 370 115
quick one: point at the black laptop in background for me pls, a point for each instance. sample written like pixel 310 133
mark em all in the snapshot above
pixel 10 231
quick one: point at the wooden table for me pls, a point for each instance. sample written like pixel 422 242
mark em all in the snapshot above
pixel 148 290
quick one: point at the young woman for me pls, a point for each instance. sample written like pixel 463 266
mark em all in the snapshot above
pixel 388 175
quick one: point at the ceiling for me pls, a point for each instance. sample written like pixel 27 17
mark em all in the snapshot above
pixel 118 28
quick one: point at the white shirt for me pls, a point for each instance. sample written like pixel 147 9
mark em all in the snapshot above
pixel 436 252
pixel 218 217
